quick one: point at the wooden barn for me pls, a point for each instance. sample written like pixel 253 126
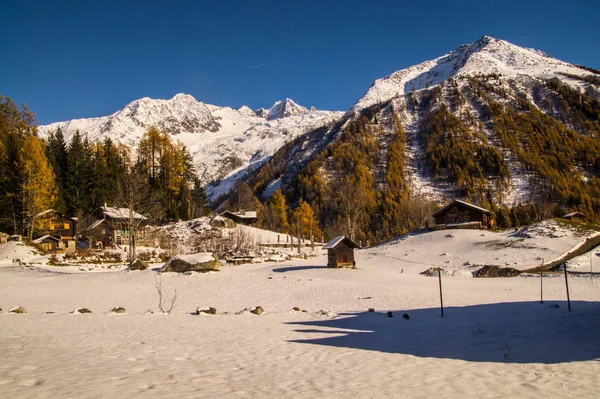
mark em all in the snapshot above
pixel 340 252
pixel 462 215
pixel 242 217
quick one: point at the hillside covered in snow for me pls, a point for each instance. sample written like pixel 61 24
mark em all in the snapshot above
pixel 490 122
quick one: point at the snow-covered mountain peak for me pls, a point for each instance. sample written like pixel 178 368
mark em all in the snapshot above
pixel 283 109
pixel 488 55
pixel 244 110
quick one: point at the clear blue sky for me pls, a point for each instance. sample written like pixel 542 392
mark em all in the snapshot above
pixel 76 59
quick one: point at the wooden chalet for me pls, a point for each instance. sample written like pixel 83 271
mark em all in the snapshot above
pixel 241 217
pixel 63 228
pixel 574 216
pixel 111 227
pixel 57 225
pixel 462 215
pixel 340 252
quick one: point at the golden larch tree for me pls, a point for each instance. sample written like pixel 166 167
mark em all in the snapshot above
pixel 39 187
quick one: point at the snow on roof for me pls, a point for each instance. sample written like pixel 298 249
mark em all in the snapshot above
pixel 42 238
pixel 246 214
pixel 570 215
pixel 463 203
pixel 44 212
pixel 337 240
pixel 120 213
pixel 95 224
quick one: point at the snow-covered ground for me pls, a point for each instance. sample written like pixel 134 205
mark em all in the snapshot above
pixel 496 339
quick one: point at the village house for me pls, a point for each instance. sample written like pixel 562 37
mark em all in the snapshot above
pixel 49 243
pixel 242 217
pixel 111 228
pixel 462 215
pixel 340 252
pixel 63 228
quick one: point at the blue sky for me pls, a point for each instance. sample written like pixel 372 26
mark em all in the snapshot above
pixel 78 59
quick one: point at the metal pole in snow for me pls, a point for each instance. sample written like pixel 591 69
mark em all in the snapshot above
pixel 542 283
pixel 441 299
pixel 567 285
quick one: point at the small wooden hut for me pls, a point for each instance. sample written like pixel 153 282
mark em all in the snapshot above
pixel 340 252
pixel 462 215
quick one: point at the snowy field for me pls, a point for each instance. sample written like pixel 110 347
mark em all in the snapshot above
pixel 496 339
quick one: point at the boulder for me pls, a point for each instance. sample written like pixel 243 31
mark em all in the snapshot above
pixel 201 262
pixel 257 310
pixel 18 309
pixel 297 309
pixel 406 316
pixel 82 310
pixel 390 314
pixel 119 310
pixel 207 311
pixel 138 265
pixel 371 310
pixel 496 271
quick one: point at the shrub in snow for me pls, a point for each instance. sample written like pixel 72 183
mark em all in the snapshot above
pixel 200 262
pixel 119 310
pixel 138 265
pixel 161 300
pixel 18 309
pixel 82 310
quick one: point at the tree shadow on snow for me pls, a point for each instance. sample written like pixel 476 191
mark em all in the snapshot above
pixel 296 268
pixel 518 332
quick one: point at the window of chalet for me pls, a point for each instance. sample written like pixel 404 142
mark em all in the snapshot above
pixel 67 226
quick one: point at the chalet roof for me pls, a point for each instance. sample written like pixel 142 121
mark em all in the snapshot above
pixel 95 224
pixel 572 214
pixel 338 240
pixel 44 212
pixel 47 211
pixel 451 204
pixel 119 213
pixel 244 215
pixel 42 238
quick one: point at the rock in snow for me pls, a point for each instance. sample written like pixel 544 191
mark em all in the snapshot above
pixel 200 262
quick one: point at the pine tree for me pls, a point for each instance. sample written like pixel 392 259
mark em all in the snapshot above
pixel 39 187
pixel 57 156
